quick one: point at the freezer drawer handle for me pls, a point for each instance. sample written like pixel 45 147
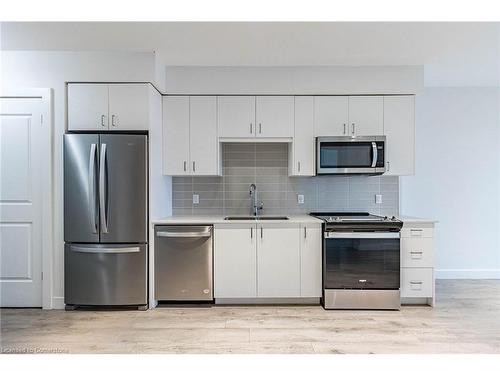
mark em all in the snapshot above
pixel 112 250
pixel 183 234
pixel 362 235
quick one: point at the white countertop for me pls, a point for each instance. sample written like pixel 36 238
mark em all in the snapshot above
pixel 208 219
pixel 413 219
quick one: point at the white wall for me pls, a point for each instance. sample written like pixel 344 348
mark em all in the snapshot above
pixel 21 69
pixel 457 178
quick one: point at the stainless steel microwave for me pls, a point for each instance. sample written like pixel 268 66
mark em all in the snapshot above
pixel 350 155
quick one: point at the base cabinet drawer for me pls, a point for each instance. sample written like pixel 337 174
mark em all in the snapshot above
pixel 417 282
pixel 416 232
pixel 417 252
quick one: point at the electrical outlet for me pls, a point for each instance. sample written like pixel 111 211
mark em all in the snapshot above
pixel 378 198
pixel 300 198
pixel 196 199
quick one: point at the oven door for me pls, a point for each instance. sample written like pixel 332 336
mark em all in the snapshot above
pixel 343 155
pixel 361 260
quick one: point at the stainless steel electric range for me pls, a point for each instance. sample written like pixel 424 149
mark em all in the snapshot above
pixel 361 260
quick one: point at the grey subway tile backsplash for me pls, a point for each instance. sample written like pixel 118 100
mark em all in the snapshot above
pixel 266 165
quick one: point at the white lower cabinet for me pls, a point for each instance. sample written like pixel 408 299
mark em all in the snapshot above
pixel 235 260
pixel 267 260
pixel 417 263
pixel 278 260
pixel 310 260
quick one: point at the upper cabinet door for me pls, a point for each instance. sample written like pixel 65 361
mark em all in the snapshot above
pixel 203 135
pixel 366 115
pixel 331 116
pixel 176 135
pixel 275 116
pixel 236 116
pixel 87 106
pixel 399 128
pixel 128 106
pixel 303 140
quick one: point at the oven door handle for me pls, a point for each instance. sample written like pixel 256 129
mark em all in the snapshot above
pixel 366 235
pixel 375 154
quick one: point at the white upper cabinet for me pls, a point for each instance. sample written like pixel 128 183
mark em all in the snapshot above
pixel 274 116
pixel 331 116
pixel 190 144
pixel 399 128
pixel 301 157
pixel 204 146
pixel 236 116
pixel 366 115
pixel 310 260
pixel 88 107
pixel 235 261
pixel 128 106
pixel 102 106
pixel 176 135
pixel 278 260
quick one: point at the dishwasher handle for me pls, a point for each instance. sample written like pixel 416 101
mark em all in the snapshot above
pixel 184 234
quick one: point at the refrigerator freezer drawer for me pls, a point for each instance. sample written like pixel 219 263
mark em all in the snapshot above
pixel 105 275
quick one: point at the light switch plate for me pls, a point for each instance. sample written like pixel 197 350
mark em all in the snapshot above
pixel 378 198
pixel 300 198
pixel 196 199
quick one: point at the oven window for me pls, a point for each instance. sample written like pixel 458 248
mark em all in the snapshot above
pixel 346 154
pixel 356 263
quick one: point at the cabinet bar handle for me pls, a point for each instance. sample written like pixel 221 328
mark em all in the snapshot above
pixel 261 232
pixel 194 166
pixel 305 232
pixel 260 128
pixel 113 120
pixel 251 232
pixel 344 128
pixel 353 128
pixel 102 120
pixel 184 166
pixel 299 166
pixel 251 128
pixel 388 166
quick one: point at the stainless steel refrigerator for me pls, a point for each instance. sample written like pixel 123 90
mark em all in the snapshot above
pixel 105 220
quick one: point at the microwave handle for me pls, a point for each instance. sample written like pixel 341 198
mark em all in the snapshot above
pixel 375 154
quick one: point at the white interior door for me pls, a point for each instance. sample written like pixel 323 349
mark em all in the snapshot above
pixel 21 183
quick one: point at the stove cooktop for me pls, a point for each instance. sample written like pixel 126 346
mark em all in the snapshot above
pixel 358 221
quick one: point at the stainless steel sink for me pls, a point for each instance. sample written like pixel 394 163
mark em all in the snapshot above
pixel 256 218
pixel 273 218
pixel 240 218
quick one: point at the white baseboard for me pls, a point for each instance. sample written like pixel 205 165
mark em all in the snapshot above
pixel 481 273
pixel 58 303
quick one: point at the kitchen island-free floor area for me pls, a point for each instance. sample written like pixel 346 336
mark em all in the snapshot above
pixel 464 320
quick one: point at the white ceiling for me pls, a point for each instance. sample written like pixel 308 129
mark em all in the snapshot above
pixel 453 53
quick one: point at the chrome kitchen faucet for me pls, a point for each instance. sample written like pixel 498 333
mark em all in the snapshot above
pixel 254 206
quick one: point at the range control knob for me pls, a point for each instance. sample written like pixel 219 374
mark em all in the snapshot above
pixel 394 218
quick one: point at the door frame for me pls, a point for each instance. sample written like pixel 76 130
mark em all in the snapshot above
pixel 46 97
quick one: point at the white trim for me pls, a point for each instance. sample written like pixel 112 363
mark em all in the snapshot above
pixel 45 95
pixel 479 273
pixel 58 303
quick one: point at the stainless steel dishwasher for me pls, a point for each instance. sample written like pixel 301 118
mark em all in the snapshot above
pixel 183 263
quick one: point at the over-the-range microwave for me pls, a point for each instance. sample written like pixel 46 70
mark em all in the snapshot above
pixel 350 155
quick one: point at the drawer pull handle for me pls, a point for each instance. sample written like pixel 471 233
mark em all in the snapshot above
pixel 416 232
pixel 416 254
pixel 416 285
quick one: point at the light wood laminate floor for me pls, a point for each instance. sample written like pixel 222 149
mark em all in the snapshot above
pixel 466 319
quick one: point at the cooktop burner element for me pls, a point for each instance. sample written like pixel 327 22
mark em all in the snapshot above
pixel 358 221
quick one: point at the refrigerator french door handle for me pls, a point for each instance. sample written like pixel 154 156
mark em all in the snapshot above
pixel 92 184
pixel 112 250
pixel 375 154
pixel 103 189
